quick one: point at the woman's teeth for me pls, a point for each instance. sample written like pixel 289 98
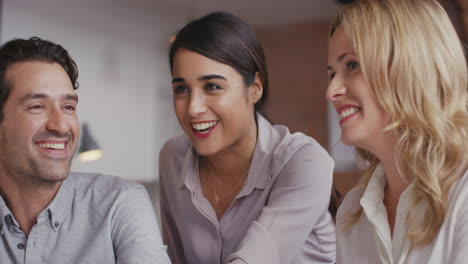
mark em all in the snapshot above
pixel 204 127
pixel 349 111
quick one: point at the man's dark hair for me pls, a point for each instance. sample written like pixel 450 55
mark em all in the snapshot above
pixel 225 38
pixel 33 49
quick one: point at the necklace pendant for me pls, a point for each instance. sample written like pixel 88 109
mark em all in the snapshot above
pixel 217 199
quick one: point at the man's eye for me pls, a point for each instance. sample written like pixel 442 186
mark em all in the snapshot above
pixel 331 75
pixel 70 107
pixel 36 107
pixel 180 89
pixel 352 65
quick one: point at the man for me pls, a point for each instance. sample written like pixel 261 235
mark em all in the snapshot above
pixel 48 215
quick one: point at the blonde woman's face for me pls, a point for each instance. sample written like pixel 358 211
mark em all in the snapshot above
pixel 362 120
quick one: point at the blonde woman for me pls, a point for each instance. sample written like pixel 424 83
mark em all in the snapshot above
pixel 398 79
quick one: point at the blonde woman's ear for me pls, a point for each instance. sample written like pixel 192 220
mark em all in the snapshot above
pixel 256 89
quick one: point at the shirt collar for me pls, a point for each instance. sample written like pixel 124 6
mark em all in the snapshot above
pixel 373 207
pixel 262 158
pixel 56 211
pixel 60 206
pixel 189 169
pixel 372 204
pixel 373 196
pixel 259 173
pixel 4 212
pixel 374 193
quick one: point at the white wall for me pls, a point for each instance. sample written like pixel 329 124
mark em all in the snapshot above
pixel 121 51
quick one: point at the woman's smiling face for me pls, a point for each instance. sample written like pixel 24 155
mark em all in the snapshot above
pixel 362 119
pixel 211 102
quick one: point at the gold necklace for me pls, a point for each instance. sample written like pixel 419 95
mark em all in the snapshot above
pixel 217 197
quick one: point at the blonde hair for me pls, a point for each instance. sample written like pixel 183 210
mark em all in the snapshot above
pixel 415 65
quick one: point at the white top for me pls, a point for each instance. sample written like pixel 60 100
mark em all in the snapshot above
pixel 369 239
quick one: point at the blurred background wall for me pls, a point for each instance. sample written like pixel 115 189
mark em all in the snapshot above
pixel 121 48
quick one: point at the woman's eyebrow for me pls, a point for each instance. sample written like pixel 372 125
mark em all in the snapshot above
pixel 212 76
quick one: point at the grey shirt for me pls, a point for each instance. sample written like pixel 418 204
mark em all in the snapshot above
pixel 280 215
pixel 92 219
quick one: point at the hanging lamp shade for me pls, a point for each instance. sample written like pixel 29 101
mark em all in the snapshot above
pixel 89 149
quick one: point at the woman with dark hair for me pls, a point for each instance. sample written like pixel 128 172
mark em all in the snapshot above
pixel 234 188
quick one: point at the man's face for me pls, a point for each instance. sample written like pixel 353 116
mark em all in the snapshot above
pixel 40 130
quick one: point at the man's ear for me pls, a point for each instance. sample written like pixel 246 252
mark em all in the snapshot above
pixel 256 89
